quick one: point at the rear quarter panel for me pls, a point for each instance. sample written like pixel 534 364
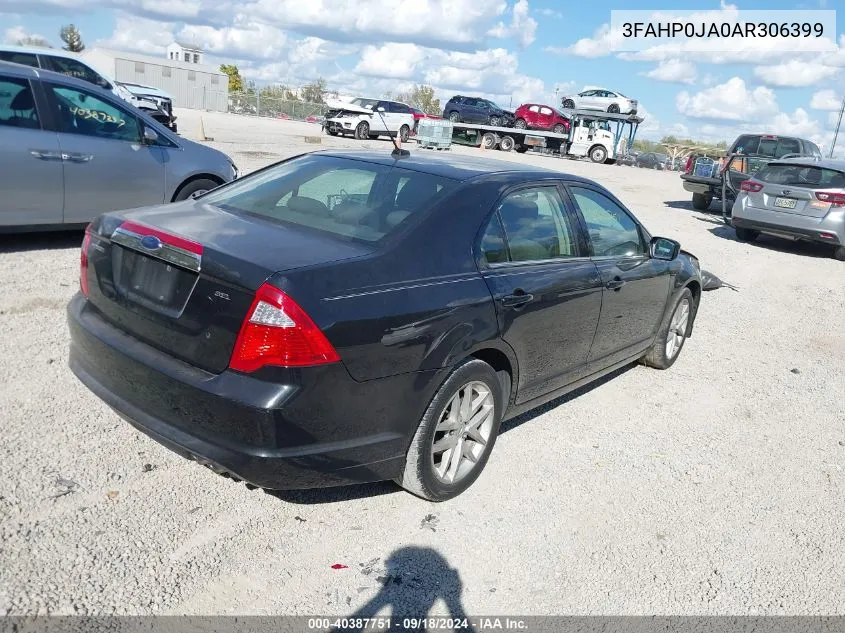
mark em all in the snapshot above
pixel 417 304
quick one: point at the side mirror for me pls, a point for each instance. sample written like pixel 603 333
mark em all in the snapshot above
pixel 664 248
pixel 380 109
pixel 150 136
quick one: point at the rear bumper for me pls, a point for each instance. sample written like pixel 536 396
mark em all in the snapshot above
pixel 790 225
pixel 701 184
pixel 304 428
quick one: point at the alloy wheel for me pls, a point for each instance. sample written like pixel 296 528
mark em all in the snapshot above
pixel 463 432
pixel 677 329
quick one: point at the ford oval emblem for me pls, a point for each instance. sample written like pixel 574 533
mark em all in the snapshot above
pixel 151 242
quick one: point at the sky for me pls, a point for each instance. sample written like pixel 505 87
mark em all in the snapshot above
pixel 512 51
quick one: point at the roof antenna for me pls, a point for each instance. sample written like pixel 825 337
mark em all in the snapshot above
pixel 398 152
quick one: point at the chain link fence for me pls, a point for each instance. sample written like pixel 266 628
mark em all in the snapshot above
pixel 254 104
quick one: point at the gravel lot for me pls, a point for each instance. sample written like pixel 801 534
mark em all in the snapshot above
pixel 713 488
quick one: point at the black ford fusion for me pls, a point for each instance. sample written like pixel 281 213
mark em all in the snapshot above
pixel 347 317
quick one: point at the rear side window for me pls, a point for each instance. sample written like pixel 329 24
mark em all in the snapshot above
pixel 27 59
pixel 72 68
pixel 340 196
pixel 802 176
pixel 17 106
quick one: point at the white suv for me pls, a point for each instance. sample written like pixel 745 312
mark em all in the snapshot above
pixel 600 99
pixel 369 118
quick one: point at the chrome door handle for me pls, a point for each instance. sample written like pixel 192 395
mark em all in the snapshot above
pixel 78 158
pixel 43 154
pixel 517 299
pixel 615 284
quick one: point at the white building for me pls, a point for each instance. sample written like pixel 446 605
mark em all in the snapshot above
pixel 182 52
pixel 192 85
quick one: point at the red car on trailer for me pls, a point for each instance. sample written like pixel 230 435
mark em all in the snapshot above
pixel 536 116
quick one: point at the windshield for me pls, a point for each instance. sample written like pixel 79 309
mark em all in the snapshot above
pixel 370 104
pixel 771 146
pixel 802 176
pixel 344 197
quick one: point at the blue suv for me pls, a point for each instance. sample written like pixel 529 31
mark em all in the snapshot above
pixel 460 109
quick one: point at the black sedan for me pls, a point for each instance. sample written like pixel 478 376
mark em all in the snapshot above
pixel 355 316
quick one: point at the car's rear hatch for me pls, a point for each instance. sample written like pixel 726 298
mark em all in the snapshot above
pixel 182 277
pixel 797 189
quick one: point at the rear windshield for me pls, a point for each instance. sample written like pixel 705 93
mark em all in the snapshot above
pixel 344 197
pixel 802 176
pixel 772 147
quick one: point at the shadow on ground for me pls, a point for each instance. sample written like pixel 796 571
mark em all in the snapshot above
pixel 52 240
pixel 781 245
pixel 415 579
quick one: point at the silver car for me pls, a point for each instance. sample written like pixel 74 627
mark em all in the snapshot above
pixel 600 99
pixel 796 198
pixel 71 151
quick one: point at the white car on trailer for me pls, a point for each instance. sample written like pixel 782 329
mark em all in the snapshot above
pixel 369 118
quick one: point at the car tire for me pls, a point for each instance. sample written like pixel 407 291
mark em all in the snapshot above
pixel 597 154
pixel 489 141
pixel 569 104
pixel 560 128
pixel 520 124
pixel 673 332
pixel 194 188
pixel 507 144
pixel 454 117
pixel 427 470
pixel 404 133
pixel 746 235
pixel 521 149
pixel 839 253
pixel 494 121
pixel 701 201
pixel 613 108
pixel 362 132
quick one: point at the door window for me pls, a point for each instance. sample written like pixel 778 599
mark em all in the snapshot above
pixel 612 231
pixel 546 111
pixel 17 106
pixel 534 108
pixel 493 246
pixel 80 112
pixel 535 225
pixel 27 59
pixel 73 68
pixel 399 108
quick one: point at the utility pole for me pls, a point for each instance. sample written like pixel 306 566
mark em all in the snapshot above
pixel 838 123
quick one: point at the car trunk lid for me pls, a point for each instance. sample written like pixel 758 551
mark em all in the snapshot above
pixel 798 189
pixel 182 277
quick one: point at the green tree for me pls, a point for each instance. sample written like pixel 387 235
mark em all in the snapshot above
pixel 422 98
pixel 34 40
pixel 72 38
pixel 236 82
pixel 314 92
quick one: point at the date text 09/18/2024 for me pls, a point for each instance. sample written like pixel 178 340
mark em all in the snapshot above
pixel 429 624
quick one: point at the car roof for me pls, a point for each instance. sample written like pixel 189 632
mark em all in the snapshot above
pixel 38 50
pixel 809 161
pixel 456 167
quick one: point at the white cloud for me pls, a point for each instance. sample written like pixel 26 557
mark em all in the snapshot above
pixel 522 27
pixel 250 41
pixel 550 13
pixel 795 74
pixel 674 71
pixel 397 61
pixel 132 33
pixel 14 34
pixel 826 100
pixel 730 101
pixel 600 45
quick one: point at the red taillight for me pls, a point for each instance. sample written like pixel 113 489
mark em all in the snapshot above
pixel 835 199
pixel 83 261
pixel 278 332
pixel 688 165
pixel 751 186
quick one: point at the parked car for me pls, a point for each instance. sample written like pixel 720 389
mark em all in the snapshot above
pixel 629 159
pixel 155 102
pixel 461 109
pixel 536 116
pixel 419 114
pixel 319 342
pixel 71 151
pixel 600 99
pixel 797 198
pixel 747 154
pixel 653 160
pixel 369 118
